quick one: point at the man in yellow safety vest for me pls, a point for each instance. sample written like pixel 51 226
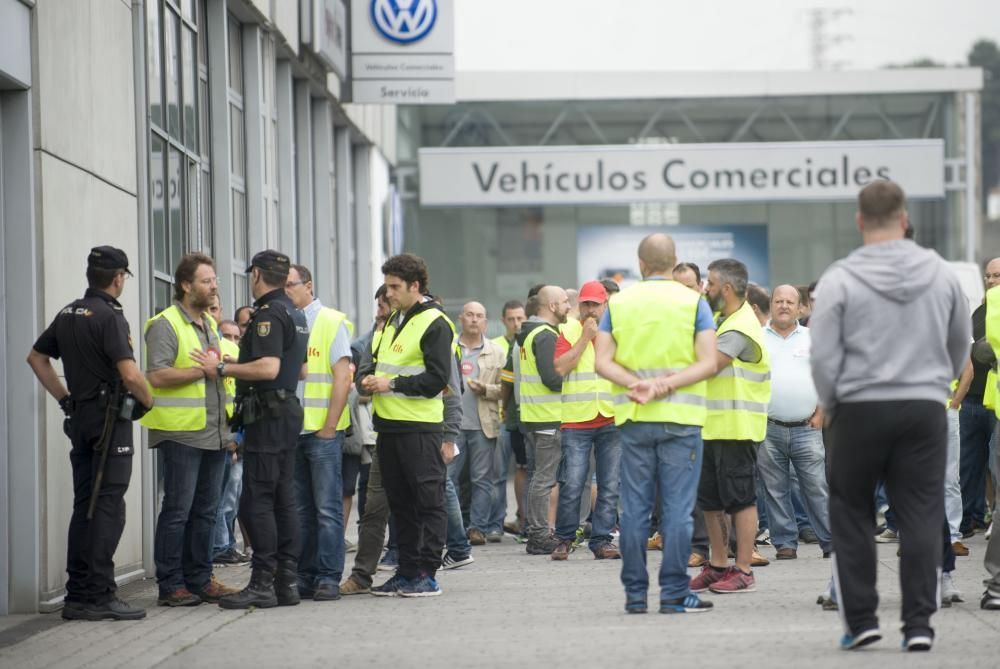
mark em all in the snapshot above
pixel 189 424
pixel 319 485
pixel 735 424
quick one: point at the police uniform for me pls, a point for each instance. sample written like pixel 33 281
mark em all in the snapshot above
pixel 91 336
pixel 268 504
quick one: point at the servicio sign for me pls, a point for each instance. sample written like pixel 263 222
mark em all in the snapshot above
pixel 773 171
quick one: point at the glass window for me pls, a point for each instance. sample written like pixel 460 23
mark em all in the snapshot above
pixel 190 79
pixel 172 57
pixel 236 148
pixel 157 192
pixel 154 64
pixel 175 202
pixel 239 225
pixel 235 56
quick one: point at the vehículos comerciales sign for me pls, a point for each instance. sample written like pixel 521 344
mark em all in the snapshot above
pixel 745 172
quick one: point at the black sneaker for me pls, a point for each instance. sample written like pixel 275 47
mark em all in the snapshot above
pixel 390 588
pixel 690 604
pixel 114 609
pixel 326 592
pixel 230 557
pixel 541 546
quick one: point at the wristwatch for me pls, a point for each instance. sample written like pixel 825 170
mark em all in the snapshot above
pixel 220 369
pixel 392 384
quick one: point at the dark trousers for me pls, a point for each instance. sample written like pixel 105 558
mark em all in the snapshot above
pixel 905 443
pixel 371 531
pixel 92 543
pixel 268 508
pixel 976 427
pixel 413 475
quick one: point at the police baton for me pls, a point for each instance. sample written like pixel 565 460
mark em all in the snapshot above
pixel 103 446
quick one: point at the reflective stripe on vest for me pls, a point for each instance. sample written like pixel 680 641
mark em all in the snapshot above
pixel 319 375
pixel 538 403
pixel 585 395
pixel 739 394
pixel 400 355
pixel 233 351
pixel 179 408
pixel 653 323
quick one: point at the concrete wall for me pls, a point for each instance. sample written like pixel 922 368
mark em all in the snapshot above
pixel 85 167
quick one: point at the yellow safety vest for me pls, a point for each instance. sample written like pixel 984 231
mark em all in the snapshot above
pixel 319 371
pixel 585 395
pixel 180 408
pixel 738 395
pixel 653 323
pixel 233 351
pixel 504 345
pixel 538 403
pixel 993 337
pixel 399 354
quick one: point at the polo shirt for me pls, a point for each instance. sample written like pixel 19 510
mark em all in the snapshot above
pixel 793 395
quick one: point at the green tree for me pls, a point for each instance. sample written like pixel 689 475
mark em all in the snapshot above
pixel 986 55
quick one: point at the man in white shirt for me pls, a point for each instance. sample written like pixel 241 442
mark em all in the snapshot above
pixel 794 438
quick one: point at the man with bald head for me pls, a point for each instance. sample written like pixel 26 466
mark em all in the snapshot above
pixel 657 346
pixel 794 438
pixel 481 363
pixel 539 388
pixel 977 422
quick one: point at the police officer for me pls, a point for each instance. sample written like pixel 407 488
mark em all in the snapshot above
pixel 92 338
pixel 272 353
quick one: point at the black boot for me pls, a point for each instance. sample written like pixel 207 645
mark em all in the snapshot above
pixel 286 583
pixel 259 593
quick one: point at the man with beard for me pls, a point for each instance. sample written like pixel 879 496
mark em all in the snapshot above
pixel 540 388
pixel 189 425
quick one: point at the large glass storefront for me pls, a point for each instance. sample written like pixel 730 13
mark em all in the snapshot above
pixel 493 254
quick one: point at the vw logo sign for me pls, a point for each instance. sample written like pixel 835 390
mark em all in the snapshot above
pixel 404 21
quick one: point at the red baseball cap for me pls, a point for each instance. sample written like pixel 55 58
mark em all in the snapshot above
pixel 593 291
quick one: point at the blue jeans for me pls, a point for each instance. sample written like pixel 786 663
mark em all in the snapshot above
pixel 976 424
pixel 479 451
pixel 576 447
pixel 457 542
pixel 319 488
pixel 192 485
pixel 670 454
pixel 800 448
pixel 229 504
pixel 501 470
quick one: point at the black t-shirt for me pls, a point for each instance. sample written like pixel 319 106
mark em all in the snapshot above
pixel 979 371
pixel 276 330
pixel 91 336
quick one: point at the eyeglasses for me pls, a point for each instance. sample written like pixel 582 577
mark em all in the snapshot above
pixel 994 275
pixel 292 284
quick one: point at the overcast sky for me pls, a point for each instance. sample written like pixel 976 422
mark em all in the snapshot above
pixel 713 34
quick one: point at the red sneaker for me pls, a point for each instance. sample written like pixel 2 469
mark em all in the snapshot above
pixel 707 576
pixel 735 581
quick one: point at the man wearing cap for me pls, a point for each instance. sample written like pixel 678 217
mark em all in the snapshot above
pixel 588 424
pixel 92 338
pixel 267 374
pixel 189 425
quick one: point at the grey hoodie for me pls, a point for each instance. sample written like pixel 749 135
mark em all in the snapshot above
pixel 890 323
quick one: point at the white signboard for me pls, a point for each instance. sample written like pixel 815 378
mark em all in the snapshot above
pixel 790 171
pixel 324 30
pixel 402 51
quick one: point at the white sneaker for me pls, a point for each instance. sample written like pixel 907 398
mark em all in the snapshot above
pixel 949 591
pixel 887 537
pixel 989 531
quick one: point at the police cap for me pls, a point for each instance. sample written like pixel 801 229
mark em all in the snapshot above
pixel 108 257
pixel 270 261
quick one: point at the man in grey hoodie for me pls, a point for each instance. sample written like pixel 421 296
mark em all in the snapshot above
pixel 890 332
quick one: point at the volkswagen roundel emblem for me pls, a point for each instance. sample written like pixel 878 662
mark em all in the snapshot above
pixel 404 21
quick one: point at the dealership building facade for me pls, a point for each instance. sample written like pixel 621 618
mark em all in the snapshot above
pixel 538 177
